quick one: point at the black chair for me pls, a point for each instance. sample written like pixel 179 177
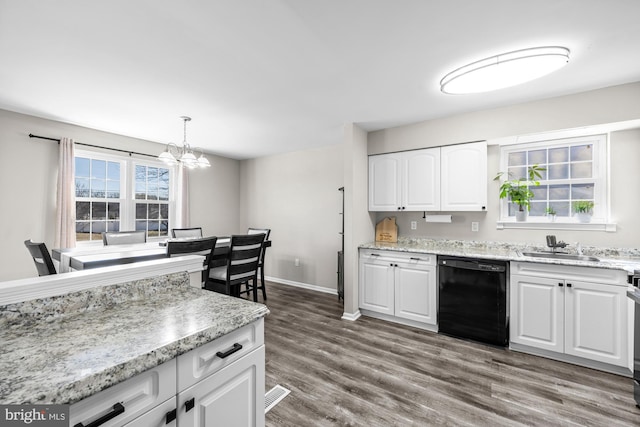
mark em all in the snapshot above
pixel 203 246
pixel 186 232
pixel 250 285
pixel 40 255
pixel 123 237
pixel 241 266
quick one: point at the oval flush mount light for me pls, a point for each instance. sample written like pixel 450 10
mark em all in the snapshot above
pixel 505 70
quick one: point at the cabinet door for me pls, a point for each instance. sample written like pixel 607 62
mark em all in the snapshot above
pixel 384 182
pixel 596 322
pixel 415 292
pixel 421 180
pixel 232 397
pixel 376 285
pixel 537 312
pixel 157 417
pixel 464 177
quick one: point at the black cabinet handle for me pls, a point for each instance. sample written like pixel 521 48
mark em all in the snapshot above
pixel 236 347
pixel 117 409
pixel 170 416
pixel 415 259
pixel 189 404
pixel 403 208
pixel 390 264
pixel 568 285
pixel 398 207
pixel 561 284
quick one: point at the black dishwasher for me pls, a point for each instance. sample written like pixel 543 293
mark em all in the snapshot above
pixel 472 299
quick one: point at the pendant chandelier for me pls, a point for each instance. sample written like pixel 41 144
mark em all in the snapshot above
pixel 175 154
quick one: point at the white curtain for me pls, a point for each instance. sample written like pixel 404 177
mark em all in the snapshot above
pixel 182 198
pixel 65 236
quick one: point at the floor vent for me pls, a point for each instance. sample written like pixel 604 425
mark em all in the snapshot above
pixel 274 396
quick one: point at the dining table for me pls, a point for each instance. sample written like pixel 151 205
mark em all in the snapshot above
pixel 93 256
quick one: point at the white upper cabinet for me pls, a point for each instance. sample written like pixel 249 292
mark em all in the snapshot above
pixel 452 178
pixel 464 177
pixel 406 181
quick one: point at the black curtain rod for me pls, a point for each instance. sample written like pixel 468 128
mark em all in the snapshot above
pixel 94 146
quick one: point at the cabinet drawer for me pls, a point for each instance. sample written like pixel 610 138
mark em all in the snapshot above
pixel 209 358
pixel 137 395
pixel 157 417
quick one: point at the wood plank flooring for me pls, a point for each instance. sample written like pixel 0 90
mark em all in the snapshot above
pixel 375 373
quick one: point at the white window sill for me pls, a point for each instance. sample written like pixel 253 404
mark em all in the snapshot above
pixel 544 224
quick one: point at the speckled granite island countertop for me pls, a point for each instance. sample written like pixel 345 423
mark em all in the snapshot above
pixel 66 348
pixel 611 258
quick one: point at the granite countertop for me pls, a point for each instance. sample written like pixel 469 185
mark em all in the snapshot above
pixel 611 258
pixel 63 349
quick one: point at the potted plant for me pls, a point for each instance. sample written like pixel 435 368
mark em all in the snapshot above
pixel 551 213
pixel 518 191
pixel 583 210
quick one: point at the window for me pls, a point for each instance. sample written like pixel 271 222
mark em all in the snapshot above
pixel 575 169
pixel 119 193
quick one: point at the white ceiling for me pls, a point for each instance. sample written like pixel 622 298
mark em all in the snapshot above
pixel 261 77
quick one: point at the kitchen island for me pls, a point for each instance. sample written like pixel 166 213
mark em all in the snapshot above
pixel 63 349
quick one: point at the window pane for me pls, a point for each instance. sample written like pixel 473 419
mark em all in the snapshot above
pixel 141 182
pixel 113 210
pixel 83 211
pixel 539 192
pixel 558 155
pixel 537 157
pixel 82 187
pixel 83 229
pixel 518 158
pixel 559 192
pixel 558 171
pixel 98 188
pixel 141 211
pixel 581 191
pixel 98 169
pixel 154 211
pixel 141 225
pixel 99 210
pixel 164 211
pixel 581 170
pixel 581 152
pixel 113 171
pixel 82 167
pixel 561 208
pixel 113 189
pixel 518 173
pixel 113 225
pixel 164 228
pixel 98 227
pixel 538 208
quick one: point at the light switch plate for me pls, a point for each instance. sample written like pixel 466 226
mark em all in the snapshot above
pixel 474 226
pixel 414 225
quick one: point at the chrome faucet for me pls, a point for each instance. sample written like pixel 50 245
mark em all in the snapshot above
pixel 553 244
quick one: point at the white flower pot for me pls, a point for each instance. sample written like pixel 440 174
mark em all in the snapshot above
pixel 522 215
pixel 583 217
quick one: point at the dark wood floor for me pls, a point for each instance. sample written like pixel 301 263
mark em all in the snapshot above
pixel 375 373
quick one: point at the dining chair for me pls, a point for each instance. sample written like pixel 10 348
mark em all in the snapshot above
pixel 204 246
pixel 186 232
pixel 41 257
pixel 261 285
pixel 123 237
pixel 241 266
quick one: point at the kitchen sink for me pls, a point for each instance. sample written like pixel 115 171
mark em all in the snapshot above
pixel 560 255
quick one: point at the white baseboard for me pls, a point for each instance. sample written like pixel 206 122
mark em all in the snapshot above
pixel 302 285
pixel 351 316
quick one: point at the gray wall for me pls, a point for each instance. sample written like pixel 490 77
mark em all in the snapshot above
pixel 28 174
pixel 296 196
pixel 610 105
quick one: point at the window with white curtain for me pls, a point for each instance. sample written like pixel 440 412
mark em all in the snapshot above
pixel 117 193
pixel 575 169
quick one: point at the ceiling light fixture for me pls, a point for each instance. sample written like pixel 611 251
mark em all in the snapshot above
pixel 174 153
pixel 505 70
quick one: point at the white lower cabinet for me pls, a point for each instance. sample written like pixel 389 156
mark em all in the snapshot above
pixel 575 311
pixel 399 286
pixel 232 397
pixel 218 384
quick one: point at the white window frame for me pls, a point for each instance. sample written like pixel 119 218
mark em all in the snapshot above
pixel 601 215
pixel 127 189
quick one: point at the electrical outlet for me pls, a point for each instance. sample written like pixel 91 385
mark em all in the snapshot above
pixel 297 262
pixel 414 225
pixel 474 226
